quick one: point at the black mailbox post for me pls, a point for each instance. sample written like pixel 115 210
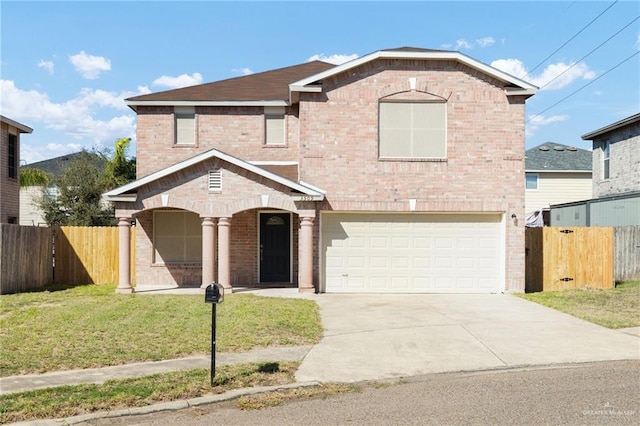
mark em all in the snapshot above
pixel 214 294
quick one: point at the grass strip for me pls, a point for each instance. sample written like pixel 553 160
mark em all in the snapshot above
pixel 613 308
pixel 277 398
pixel 91 326
pixel 67 401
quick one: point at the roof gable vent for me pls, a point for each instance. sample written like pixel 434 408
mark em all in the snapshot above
pixel 558 148
pixel 544 148
pixel 215 180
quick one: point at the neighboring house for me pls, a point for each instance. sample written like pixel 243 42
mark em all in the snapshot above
pixel 400 171
pixel 9 169
pixel 556 173
pixel 31 214
pixel 616 179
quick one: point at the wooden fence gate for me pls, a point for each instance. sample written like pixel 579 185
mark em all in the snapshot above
pixel 560 258
pixel 88 255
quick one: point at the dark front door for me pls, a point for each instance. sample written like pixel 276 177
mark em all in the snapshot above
pixel 275 247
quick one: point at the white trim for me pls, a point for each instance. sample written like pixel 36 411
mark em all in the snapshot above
pixel 260 212
pixel 273 163
pixel 523 88
pixel 502 277
pixel 585 171
pixel 207 103
pixel 12 123
pixel 315 194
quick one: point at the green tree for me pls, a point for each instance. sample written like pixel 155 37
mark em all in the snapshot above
pixel 120 169
pixel 78 191
pixel 78 200
pixel 33 177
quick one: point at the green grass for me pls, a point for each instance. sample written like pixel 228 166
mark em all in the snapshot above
pixel 614 308
pixel 66 401
pixel 91 326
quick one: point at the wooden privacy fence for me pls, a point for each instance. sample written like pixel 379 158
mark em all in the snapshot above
pixel 627 253
pixel 88 255
pixel 25 258
pixel 559 258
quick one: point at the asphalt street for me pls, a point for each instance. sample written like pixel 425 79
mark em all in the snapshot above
pixel 589 393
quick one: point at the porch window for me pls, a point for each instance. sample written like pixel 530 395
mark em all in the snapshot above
pixel 274 128
pixel 412 130
pixel 177 237
pixel 185 126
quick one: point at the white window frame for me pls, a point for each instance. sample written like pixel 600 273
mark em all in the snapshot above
pixel 184 113
pixel 418 137
pixel 183 239
pixel 274 117
pixel 526 182
pixel 606 160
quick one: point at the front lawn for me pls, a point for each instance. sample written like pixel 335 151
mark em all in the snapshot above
pixel 615 308
pixel 91 326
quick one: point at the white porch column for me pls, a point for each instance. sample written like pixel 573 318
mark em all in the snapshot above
pixel 208 251
pixel 124 256
pixel 224 254
pixel 305 256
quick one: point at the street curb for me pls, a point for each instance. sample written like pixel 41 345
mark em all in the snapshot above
pixel 166 406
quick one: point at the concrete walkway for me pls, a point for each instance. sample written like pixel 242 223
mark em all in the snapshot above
pixel 100 375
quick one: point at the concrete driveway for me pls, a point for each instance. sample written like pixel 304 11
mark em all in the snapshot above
pixel 370 337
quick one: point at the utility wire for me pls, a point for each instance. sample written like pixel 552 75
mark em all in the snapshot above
pixel 568 41
pixel 576 91
pixel 588 54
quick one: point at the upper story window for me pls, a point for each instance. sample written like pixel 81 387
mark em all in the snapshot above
pixel 531 181
pixel 274 127
pixel 12 156
pixel 412 130
pixel 185 125
pixel 606 154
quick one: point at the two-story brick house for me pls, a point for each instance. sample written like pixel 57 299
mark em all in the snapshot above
pixel 400 171
pixel 10 132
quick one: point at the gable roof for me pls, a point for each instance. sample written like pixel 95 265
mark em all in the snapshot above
pixel 611 127
pixel 514 86
pixel 265 88
pixel 278 87
pixel 56 166
pixel 128 192
pixel 551 156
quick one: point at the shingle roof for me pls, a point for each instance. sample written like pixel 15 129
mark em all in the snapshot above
pixel 56 166
pixel 611 127
pixel 264 86
pixel 551 156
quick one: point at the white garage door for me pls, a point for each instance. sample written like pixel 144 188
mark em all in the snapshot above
pixel 411 253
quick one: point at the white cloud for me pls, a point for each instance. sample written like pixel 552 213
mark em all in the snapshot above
pixel 47 65
pixel 82 118
pixel 335 59
pixel 463 44
pixel 243 71
pixel 554 76
pixel 538 121
pixel 485 41
pixel 90 66
pixel 182 80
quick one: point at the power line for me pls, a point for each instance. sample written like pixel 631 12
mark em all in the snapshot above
pixel 568 41
pixel 588 54
pixel 577 90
